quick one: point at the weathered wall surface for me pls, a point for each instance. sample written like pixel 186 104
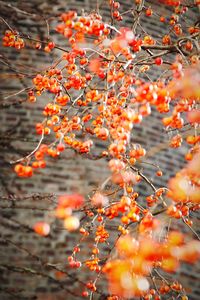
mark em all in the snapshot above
pixel 23 275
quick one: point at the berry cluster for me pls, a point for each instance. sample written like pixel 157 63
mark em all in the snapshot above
pixel 97 91
pixel 138 257
pixel 12 39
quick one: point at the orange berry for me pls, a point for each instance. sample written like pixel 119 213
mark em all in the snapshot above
pixel 42 228
pixel 71 223
pixel 159 173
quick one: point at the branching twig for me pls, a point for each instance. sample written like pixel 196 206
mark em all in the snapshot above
pixel 30 154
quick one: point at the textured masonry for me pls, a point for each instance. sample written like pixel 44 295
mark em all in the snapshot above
pixel 69 173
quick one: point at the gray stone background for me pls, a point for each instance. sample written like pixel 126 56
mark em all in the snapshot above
pixel 69 173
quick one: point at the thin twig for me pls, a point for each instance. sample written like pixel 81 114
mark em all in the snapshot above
pixel 30 154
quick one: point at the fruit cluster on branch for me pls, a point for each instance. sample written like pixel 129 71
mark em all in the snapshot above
pixel 99 89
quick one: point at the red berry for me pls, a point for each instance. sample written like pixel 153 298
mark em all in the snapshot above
pixel 158 61
pixel 85 293
pixel 149 12
pixel 159 173
pixel 60 147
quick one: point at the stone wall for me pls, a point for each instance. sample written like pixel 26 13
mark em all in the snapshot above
pixel 23 275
